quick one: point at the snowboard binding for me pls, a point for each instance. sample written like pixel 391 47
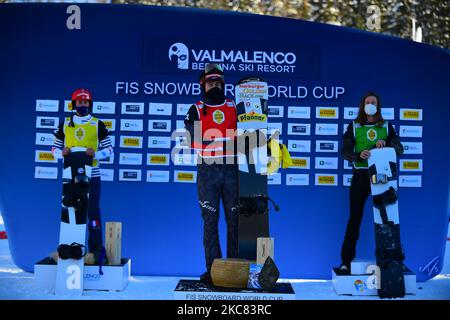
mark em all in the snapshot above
pixel 257 204
pixel 73 251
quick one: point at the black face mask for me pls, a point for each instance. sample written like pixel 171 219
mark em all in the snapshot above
pixel 215 96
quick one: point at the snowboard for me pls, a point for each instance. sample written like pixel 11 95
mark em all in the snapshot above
pixel 251 95
pixel 76 175
pixel 389 253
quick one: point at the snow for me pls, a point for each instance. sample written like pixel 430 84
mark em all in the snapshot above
pixel 16 284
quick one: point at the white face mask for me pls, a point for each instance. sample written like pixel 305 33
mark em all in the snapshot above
pixel 370 109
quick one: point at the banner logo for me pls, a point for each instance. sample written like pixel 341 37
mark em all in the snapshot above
pixel 179 55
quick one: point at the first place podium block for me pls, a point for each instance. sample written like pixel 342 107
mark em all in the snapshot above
pixel 197 290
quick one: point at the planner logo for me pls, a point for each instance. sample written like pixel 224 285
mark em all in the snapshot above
pixel 179 54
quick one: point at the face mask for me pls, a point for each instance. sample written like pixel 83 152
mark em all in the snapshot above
pixel 82 111
pixel 370 109
pixel 215 95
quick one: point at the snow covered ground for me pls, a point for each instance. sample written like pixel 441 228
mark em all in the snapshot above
pixel 15 284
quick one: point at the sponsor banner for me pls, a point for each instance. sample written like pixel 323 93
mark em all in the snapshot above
pixel 162 109
pixel 113 141
pixel 109 160
pixel 344 127
pixel 297 179
pixel 136 108
pixel 180 125
pixel 158 142
pixel 131 125
pixel 411 114
pixel 45 172
pixel 347 165
pixel 158 176
pixel 347 180
pixel 182 159
pixel 350 113
pixel 104 107
pixel 299 112
pixel 129 175
pixel 179 140
pixel 300 163
pixel 274 179
pixel 326 163
pixel 412 147
pixel 323 179
pixel 158 159
pixel 299 146
pixel 130 158
pixel 47 105
pixel 272 127
pixel 410 181
pixel 131 142
pixel 388 113
pixel 44 156
pixel 47 122
pixel 182 109
pixel 301 129
pixel 67 106
pixel 110 124
pixel 275 112
pixel 326 146
pixel 159 125
pixel 327 113
pixel 106 174
pixel 411 165
pixel 44 139
pixel 185 176
pixel 410 131
pixel 326 129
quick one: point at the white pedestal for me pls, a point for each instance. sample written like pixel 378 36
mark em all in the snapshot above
pixel 359 266
pixel 114 278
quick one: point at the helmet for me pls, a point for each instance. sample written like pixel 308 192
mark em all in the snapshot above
pixel 81 94
pixel 212 72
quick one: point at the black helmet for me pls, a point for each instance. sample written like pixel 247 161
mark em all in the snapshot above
pixel 213 71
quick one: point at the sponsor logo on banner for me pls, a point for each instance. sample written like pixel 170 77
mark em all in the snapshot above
pixel 110 124
pixel 274 179
pixel 132 108
pixel 113 141
pixel 158 159
pixel 130 142
pixel 67 106
pixel 252 116
pixel 327 113
pixel 410 181
pixel 299 112
pixel 299 145
pixel 326 146
pixel 302 129
pixel 129 175
pixel 297 179
pixel 45 156
pixel 185 159
pixel 350 113
pixel 326 129
pixel 326 163
pixel 106 174
pixel 130 158
pixel 159 125
pixel 44 139
pixel 326 179
pixel 45 173
pixel 275 112
pixel 412 147
pixel 345 127
pixel 182 109
pixel 185 176
pixel 388 113
pixel 47 122
pixel 131 125
pixel 109 160
pixel 104 107
pixel 47 105
pixel 347 165
pixel 273 127
pixel 159 142
pixel 411 114
pixel 158 176
pixel 181 142
pixel 300 163
pixel 347 180
pixel 411 165
pixel 162 109
pixel 410 131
